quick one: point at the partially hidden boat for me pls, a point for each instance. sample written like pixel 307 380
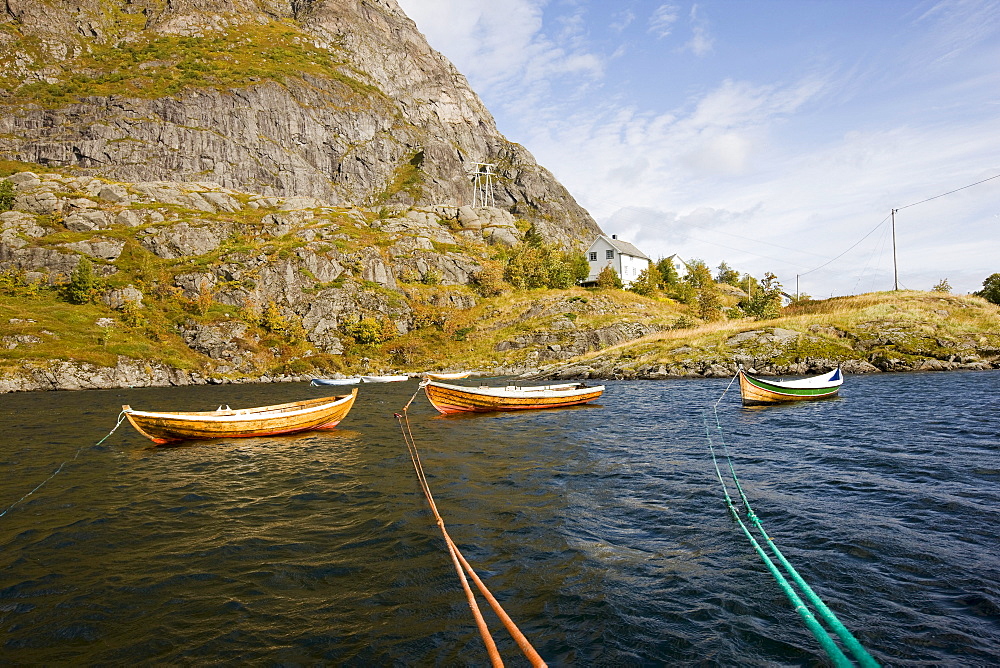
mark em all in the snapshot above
pixel 335 381
pixel 459 399
pixel 757 391
pixel 454 375
pixel 384 379
pixel 225 422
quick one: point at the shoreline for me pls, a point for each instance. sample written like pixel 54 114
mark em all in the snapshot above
pixel 68 376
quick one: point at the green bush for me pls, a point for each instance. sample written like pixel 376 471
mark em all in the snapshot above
pixel 7 195
pixel 942 286
pixel 608 278
pixel 765 304
pixel 647 282
pixel 367 331
pixel 991 289
pixel 84 285
pixel 14 283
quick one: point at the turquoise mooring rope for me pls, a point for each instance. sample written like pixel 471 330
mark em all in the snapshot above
pixel 860 655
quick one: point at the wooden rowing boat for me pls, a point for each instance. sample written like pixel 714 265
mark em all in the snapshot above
pixel 322 413
pixel 455 375
pixel 384 379
pixel 335 381
pixel 458 399
pixel 757 391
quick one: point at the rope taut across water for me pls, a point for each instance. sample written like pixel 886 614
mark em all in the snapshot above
pixel 462 566
pixel 859 655
pixel 121 418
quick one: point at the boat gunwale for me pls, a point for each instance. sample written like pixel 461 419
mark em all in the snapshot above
pixel 554 391
pixel 245 414
pixel 777 387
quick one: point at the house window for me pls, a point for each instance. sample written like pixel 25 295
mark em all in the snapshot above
pixel 609 255
pixel 593 256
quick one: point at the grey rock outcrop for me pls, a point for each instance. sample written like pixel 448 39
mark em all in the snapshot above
pixel 385 104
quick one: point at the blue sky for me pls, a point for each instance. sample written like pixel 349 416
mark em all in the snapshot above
pixel 773 135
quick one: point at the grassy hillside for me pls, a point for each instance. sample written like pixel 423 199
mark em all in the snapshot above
pixel 884 331
pixel 270 291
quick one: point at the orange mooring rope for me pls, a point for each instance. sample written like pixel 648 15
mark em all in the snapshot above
pixel 460 563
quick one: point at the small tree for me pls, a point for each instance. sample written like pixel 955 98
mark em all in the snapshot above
pixel 608 278
pixel 699 275
pixel 765 304
pixel 727 275
pixel 7 195
pixel 668 271
pixel 84 284
pixel 991 289
pixel 942 286
pixel 579 267
pixel 709 303
pixel 488 281
pixel 647 282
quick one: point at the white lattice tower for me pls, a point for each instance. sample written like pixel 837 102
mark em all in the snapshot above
pixel 482 185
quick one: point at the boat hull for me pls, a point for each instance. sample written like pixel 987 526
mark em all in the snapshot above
pixel 291 418
pixel 335 381
pixel 448 399
pixel 757 392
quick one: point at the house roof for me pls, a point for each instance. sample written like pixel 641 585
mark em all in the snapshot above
pixel 623 247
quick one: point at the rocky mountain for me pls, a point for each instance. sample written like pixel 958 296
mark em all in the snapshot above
pixel 338 100
pixel 243 189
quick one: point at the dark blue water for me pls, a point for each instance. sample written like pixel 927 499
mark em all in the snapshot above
pixel 602 529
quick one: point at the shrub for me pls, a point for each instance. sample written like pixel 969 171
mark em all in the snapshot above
pixel 14 283
pixel 668 272
pixel 991 289
pixel 727 275
pixel 488 281
pixel 368 331
pixel 765 304
pixel 608 278
pixel 84 285
pixel 942 286
pixel 647 282
pixel 7 195
pixel 288 327
pixel 130 313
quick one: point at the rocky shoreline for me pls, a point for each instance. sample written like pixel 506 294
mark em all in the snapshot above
pixel 129 373
pixel 721 369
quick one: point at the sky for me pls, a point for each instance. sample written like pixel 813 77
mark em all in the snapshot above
pixel 773 135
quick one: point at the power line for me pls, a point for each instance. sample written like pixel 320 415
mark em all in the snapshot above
pixel 948 193
pixel 849 249
pixel 997 176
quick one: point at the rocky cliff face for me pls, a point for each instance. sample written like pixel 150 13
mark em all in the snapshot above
pixel 338 100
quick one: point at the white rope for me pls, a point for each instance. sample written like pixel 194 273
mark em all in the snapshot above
pixel 121 418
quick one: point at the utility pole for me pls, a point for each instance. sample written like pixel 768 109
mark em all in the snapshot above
pixel 895 269
pixel 796 287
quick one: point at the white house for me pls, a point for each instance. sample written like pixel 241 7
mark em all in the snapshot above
pixel 623 257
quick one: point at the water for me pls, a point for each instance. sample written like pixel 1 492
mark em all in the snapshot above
pixel 602 529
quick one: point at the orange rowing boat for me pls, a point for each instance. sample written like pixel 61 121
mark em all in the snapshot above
pixel 322 413
pixel 458 399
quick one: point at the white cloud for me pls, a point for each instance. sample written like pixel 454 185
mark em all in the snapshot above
pixel 701 41
pixel 661 23
pixel 622 20
pixel 501 46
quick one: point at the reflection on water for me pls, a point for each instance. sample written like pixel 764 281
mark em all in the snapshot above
pixel 601 528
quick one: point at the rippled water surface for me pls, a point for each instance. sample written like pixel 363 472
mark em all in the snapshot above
pixel 602 529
